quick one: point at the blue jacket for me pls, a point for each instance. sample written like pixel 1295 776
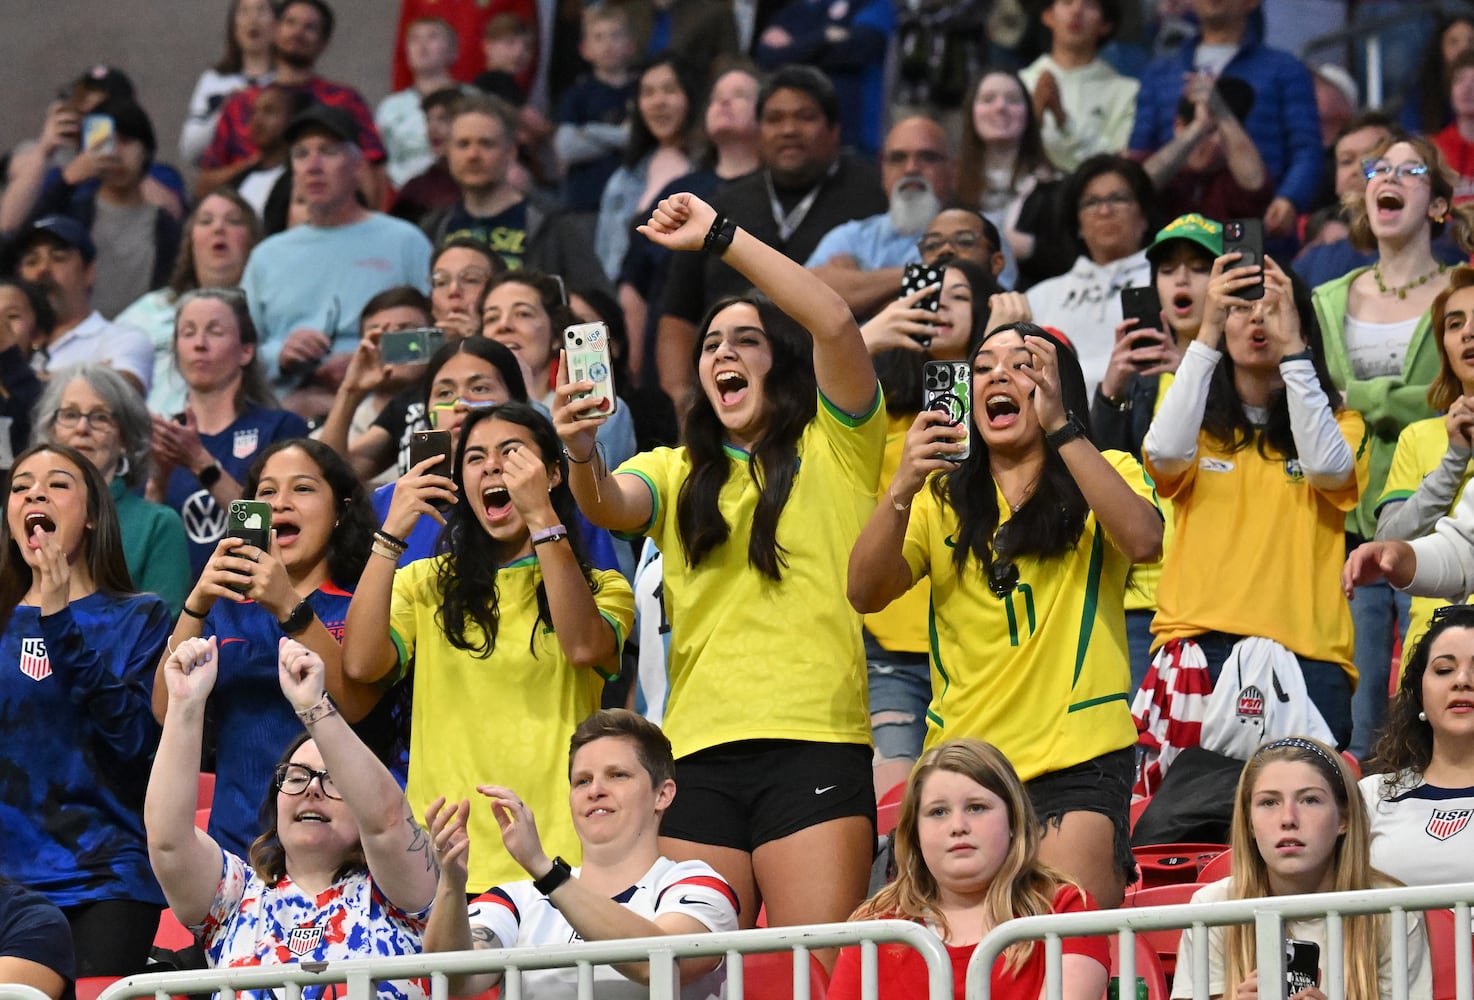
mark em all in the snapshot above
pixel 1284 123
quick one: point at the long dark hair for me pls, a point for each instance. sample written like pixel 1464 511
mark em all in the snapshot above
pixel 1224 418
pixel 900 370
pixel 494 353
pixel 102 546
pixel 467 578
pixel 642 142
pixel 352 537
pixel 791 395
pixel 1406 741
pixel 1052 519
pixel 1431 77
pixel 267 855
pixel 1031 155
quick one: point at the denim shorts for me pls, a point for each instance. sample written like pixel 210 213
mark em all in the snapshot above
pixel 900 689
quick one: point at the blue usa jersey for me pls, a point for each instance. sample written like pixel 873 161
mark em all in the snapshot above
pixel 235 448
pixel 77 735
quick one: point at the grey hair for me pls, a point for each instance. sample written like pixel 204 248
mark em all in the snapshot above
pixel 135 429
pixel 254 390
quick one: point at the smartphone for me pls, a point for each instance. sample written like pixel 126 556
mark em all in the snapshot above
pixel 587 348
pixel 410 347
pixel 1246 237
pixel 1143 306
pixel 947 386
pixel 99 132
pixel 918 276
pixel 428 444
pixel 249 520
pixel 1302 966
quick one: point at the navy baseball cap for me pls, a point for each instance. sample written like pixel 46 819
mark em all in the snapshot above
pixel 323 118
pixel 61 229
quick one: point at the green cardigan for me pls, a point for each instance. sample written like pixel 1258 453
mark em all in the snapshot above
pixel 154 546
pixel 1387 403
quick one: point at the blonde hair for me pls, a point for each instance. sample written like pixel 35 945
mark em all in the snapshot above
pixel 1441 185
pixel 1023 886
pixel 1351 866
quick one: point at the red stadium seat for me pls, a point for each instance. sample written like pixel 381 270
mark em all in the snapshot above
pixel 1164 943
pixel 1441 948
pixel 90 987
pixel 205 797
pixel 1166 864
pixel 1148 967
pixel 1216 868
pixel 769 976
pixel 172 935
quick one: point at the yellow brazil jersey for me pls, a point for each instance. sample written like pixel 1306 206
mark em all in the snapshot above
pixel 751 657
pixel 1042 673
pixel 1258 550
pixel 502 720
pixel 901 626
pixel 1420 448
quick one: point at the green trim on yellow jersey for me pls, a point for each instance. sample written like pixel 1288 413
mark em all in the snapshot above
pixel 850 419
pixel 1092 598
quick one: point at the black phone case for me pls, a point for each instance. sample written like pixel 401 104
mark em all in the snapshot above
pixel 1302 966
pixel 424 444
pixel 1246 237
pixel 1142 305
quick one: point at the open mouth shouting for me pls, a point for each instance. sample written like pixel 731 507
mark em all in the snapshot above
pixel 731 388
pixel 496 500
pixel 1002 410
pixel 1389 203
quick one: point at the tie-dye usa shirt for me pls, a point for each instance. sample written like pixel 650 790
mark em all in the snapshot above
pixel 253 923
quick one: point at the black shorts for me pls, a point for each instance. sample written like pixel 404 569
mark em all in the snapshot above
pixel 743 795
pixel 1099 785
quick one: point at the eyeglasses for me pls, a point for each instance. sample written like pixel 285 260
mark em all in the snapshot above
pixel 98 420
pixel 964 240
pixel 1400 171
pixel 293 779
pixel 1117 200
pixel 470 276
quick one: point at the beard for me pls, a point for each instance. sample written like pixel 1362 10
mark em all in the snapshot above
pixel 913 205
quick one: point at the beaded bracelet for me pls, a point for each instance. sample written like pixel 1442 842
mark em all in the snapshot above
pixel 393 541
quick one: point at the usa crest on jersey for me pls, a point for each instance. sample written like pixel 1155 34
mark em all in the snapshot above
pixel 34 662
pixel 304 940
pixel 1444 823
pixel 244 445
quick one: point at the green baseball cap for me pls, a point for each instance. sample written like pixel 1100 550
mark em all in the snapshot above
pixel 1192 227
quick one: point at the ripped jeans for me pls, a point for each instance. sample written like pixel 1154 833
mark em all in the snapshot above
pixel 900 691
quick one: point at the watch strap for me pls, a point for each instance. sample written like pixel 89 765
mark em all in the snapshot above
pixel 558 874
pixel 209 475
pixel 296 623
pixel 1072 429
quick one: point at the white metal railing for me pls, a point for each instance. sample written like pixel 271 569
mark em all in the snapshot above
pixel 20 991
pixel 661 952
pixel 1267 915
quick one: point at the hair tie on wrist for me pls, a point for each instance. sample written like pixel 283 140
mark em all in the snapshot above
pixel 393 541
pixel 196 615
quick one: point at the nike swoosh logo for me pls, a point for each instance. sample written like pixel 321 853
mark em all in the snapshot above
pixel 826 788
pixel 688 901
pixel 227 642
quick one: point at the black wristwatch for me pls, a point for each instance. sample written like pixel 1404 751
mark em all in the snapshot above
pixel 719 236
pixel 296 623
pixel 1305 355
pixel 209 475
pixel 558 874
pixel 1072 429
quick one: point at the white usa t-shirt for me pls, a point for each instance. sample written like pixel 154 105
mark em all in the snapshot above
pixel 522 917
pixel 1421 834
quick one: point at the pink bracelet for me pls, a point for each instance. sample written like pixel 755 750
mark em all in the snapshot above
pixel 552 534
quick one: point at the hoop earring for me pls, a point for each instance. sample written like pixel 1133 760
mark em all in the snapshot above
pixel 123 465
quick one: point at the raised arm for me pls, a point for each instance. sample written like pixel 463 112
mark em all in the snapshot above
pixel 1406 516
pixel 1131 523
pixel 592 914
pixel 617 503
pixel 186 861
pixel 878 572
pixel 368 652
pixel 846 376
pixel 449 928
pixel 395 846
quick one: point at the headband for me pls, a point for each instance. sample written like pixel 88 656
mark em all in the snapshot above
pixel 1304 744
